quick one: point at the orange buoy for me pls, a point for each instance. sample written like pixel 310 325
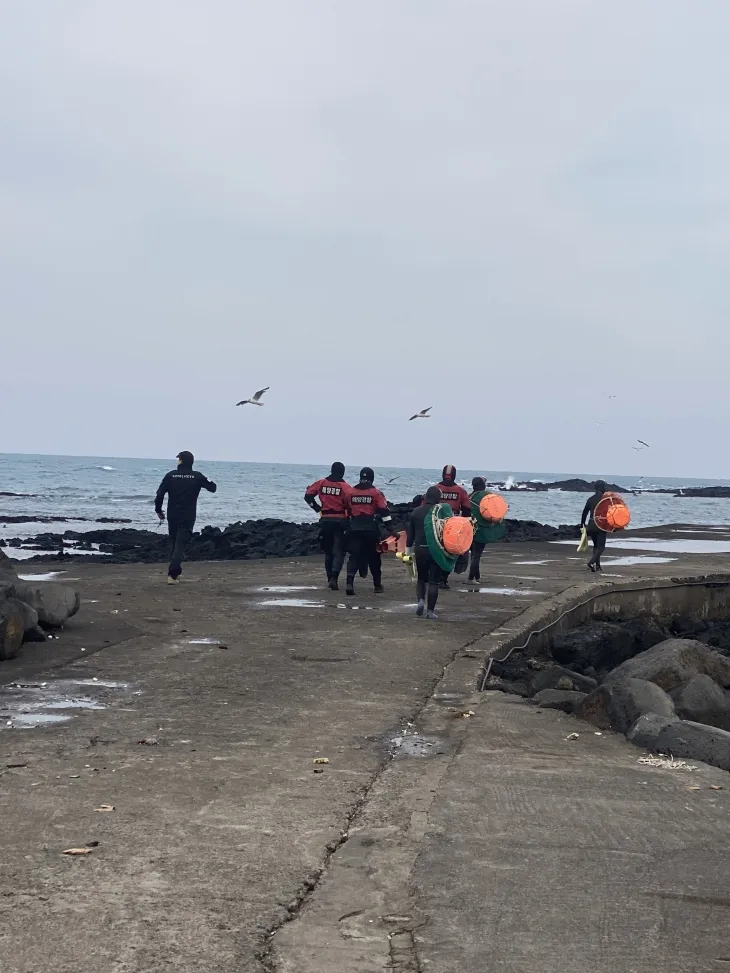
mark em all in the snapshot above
pixel 458 535
pixel 612 513
pixel 493 507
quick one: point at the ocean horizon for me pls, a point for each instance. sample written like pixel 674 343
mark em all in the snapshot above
pixel 94 487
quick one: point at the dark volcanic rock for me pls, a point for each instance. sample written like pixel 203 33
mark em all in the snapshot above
pixel 572 485
pixel 242 541
pixel 697 741
pixel 645 732
pixel 562 699
pixel 673 663
pixel 556 677
pixel 602 645
pixel 12 628
pixel 618 705
pixel 703 701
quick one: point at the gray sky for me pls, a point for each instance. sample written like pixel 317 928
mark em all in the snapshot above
pixel 509 211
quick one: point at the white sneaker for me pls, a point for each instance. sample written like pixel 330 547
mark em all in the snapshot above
pixel 172 580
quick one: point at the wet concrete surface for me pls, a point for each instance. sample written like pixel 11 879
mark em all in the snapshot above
pixel 207 712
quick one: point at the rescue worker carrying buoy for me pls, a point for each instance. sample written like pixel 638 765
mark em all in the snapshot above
pixel 435 539
pixel 603 514
pixel 488 511
pixel 457 498
pixel 332 493
pixel 367 507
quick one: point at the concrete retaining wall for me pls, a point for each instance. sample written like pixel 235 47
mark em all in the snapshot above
pixel 704 596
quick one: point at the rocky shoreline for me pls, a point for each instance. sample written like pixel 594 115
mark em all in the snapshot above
pixel 665 684
pixel 240 541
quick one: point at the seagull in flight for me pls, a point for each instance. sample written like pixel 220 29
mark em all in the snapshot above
pixel 394 478
pixel 255 399
pixel 643 446
pixel 423 414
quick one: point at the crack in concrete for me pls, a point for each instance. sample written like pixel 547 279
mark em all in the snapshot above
pixel 265 953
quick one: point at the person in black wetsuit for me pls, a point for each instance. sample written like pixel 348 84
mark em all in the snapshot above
pixel 428 572
pixel 182 487
pixel 597 536
pixel 479 485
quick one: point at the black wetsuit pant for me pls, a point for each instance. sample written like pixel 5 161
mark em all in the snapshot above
pixel 332 538
pixel 598 537
pixel 429 576
pixel 477 549
pixel 362 545
pixel 180 534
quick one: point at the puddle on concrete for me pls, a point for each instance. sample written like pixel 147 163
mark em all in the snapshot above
pixel 617 562
pixel 27 705
pixel 535 562
pixel 415 745
pixel 283 589
pixel 48 576
pixel 291 603
pixel 520 592
pixel 204 641
pixel 673 546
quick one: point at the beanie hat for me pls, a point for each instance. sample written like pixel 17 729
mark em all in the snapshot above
pixel 367 475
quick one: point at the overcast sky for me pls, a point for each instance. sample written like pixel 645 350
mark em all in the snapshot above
pixel 507 210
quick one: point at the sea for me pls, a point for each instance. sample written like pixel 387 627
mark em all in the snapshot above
pixel 92 487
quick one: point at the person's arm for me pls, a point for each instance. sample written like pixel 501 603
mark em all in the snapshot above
pixel 159 498
pixel 585 514
pixel 410 535
pixel 310 497
pixel 465 503
pixel 382 508
pixel 209 485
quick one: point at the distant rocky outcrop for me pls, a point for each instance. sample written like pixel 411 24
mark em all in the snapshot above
pixel 240 541
pixel 573 485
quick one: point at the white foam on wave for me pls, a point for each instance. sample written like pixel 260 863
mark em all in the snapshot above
pixel 106 467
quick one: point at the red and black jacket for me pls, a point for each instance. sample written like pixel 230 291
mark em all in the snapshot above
pixel 332 495
pixel 366 505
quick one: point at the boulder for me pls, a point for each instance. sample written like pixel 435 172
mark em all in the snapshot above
pixel 696 741
pixel 562 699
pixel 673 663
pixel 601 645
pixel 618 705
pixel 703 701
pixel 556 677
pixel 12 628
pixel 7 569
pixel 53 602
pixel 645 732
pixel 30 615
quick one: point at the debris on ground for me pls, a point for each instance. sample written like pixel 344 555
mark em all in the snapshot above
pixel 321 760
pixel 103 808
pixel 572 736
pixel 666 763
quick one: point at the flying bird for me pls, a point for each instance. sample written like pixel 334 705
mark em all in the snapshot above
pixel 643 443
pixel 423 414
pixel 394 478
pixel 255 399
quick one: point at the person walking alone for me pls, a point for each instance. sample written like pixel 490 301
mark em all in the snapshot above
pixel 182 487
pixel 595 533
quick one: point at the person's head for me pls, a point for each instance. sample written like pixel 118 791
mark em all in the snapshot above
pixel 367 475
pixel 433 495
pixel 417 500
pixel 448 474
pixel 601 486
pixel 185 458
pixel 338 471
pixel 479 483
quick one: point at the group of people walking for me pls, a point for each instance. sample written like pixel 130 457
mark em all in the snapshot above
pixel 352 521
